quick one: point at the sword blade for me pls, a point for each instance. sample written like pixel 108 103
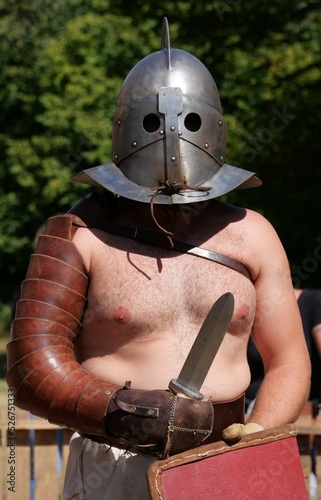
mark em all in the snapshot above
pixel 204 348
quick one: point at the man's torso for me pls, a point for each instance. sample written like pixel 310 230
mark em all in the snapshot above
pixel 146 305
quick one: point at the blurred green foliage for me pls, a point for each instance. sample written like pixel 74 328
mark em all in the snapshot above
pixel 63 64
pixel 5 320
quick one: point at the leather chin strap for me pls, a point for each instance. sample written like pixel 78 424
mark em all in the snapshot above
pixel 161 240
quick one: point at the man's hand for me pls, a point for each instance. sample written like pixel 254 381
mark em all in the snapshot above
pixel 235 432
pixel 172 423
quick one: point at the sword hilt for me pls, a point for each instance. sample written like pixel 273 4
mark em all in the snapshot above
pixel 177 388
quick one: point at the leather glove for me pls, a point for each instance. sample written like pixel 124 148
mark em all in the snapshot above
pixel 159 419
pixel 235 432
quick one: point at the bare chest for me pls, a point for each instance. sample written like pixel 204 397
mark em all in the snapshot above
pixel 141 294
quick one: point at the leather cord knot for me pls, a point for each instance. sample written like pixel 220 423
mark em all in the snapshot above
pixel 171 187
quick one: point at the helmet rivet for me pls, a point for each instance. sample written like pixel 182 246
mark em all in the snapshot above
pixel 116 157
pixel 180 132
pixel 119 122
pixel 134 144
pixel 222 158
pixel 206 145
pixel 161 132
pixel 173 158
pixel 172 128
pixel 220 123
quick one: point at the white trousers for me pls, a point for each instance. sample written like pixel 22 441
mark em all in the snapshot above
pixel 97 471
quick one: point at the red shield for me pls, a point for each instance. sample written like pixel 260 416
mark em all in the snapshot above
pixel 264 465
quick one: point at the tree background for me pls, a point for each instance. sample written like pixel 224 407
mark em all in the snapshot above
pixel 62 65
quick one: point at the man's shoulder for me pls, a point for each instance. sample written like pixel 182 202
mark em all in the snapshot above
pixel 232 214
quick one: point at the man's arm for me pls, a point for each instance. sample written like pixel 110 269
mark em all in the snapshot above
pixel 42 368
pixel 278 334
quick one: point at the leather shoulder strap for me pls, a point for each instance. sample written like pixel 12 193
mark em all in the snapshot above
pixel 91 218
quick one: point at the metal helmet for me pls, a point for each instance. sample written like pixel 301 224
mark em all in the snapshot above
pixel 169 135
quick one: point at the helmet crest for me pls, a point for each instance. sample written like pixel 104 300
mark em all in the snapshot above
pixel 166 43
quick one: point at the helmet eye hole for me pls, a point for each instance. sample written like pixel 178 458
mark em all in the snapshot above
pixel 193 122
pixel 151 123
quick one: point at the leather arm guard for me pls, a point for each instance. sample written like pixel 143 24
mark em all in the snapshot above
pixel 42 368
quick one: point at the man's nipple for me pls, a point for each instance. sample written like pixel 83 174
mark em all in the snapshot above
pixel 242 312
pixel 122 315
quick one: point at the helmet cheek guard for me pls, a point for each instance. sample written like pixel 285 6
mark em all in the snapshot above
pixel 169 135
